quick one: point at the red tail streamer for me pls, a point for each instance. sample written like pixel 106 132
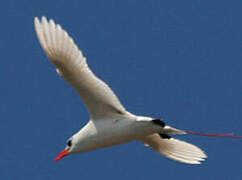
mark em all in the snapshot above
pixel 228 135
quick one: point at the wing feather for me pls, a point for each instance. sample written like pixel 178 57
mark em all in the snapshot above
pixel 175 149
pixel 71 64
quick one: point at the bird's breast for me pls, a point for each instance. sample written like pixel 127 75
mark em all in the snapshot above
pixel 103 133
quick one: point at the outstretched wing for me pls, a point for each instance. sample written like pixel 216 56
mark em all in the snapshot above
pixel 175 149
pixel 72 66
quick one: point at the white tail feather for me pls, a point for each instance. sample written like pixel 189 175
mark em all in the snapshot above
pixel 175 149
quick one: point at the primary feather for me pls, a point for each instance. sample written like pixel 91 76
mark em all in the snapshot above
pixel 72 66
pixel 175 149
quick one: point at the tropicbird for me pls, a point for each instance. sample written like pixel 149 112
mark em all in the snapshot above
pixel 110 124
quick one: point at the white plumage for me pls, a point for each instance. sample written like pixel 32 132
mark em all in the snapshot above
pixel 71 64
pixel 175 149
pixel 110 124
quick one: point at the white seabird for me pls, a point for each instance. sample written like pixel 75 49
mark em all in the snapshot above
pixel 110 124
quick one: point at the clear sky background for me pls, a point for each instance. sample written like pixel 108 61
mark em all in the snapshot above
pixel 177 60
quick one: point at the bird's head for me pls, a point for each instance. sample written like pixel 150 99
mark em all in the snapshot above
pixel 68 150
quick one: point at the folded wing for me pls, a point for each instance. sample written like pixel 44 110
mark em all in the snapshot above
pixel 175 149
pixel 72 66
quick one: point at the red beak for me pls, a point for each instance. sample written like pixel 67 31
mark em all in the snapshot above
pixel 62 154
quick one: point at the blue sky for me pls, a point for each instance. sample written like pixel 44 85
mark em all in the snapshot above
pixel 180 61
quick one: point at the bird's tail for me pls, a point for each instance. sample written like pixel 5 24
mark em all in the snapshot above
pixel 226 135
pixel 171 130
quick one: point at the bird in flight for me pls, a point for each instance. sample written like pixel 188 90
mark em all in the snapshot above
pixel 110 123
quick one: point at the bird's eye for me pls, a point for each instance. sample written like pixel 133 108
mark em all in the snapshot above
pixel 69 143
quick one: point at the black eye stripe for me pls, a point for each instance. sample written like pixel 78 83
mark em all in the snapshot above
pixel 69 143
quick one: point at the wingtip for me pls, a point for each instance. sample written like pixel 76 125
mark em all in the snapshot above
pixel 43 18
pixel 56 42
pixel 36 20
pixel 52 22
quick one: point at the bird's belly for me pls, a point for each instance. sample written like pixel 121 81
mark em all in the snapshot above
pixel 115 133
pixel 101 141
